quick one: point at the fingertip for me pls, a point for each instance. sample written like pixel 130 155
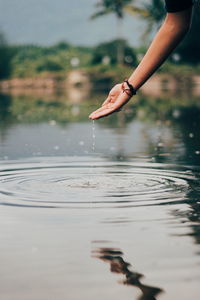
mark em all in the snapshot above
pixel 91 117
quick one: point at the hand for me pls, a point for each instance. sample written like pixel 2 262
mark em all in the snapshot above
pixel 115 101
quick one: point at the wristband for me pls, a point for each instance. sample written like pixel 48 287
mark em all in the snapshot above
pixel 130 90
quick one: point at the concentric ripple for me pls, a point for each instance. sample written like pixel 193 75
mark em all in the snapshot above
pixel 86 184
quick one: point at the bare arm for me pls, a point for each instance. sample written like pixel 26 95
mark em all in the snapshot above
pixel 172 31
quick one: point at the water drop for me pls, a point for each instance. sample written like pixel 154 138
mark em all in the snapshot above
pixel 176 113
pixel 93 136
pixel 52 122
pixel 112 148
pixel 160 144
pixel 191 135
pixel 81 143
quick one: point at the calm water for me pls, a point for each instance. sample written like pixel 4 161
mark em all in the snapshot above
pixel 108 210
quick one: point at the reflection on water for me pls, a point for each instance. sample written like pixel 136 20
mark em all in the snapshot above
pixel 166 129
pixel 93 136
pixel 132 178
pixel 132 278
pixel 192 214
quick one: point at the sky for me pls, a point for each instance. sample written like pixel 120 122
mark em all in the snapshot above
pixel 46 22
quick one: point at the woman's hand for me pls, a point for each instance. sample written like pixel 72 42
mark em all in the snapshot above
pixel 115 101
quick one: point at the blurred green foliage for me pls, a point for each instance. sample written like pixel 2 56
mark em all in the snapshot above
pixel 37 109
pixel 6 54
pixel 33 109
pixel 104 77
pixel 108 50
pixel 189 49
pixel 188 52
pixel 31 59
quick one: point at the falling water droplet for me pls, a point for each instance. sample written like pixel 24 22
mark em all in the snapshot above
pixel 93 136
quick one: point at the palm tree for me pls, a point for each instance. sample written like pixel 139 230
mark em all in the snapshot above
pixel 152 12
pixel 155 12
pixel 118 8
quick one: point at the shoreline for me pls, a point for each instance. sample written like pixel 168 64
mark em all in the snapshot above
pixel 86 82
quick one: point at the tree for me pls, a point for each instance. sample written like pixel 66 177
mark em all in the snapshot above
pixel 49 64
pixel 118 8
pixel 152 12
pixel 108 50
pixel 155 13
pixel 189 49
pixel 6 55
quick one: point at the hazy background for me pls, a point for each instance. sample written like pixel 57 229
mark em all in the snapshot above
pixel 75 194
pixel 48 21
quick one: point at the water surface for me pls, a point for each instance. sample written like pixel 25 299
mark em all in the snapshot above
pixel 108 210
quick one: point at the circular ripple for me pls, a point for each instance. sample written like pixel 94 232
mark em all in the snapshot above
pixel 82 185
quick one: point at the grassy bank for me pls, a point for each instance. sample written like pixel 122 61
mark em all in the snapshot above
pixel 28 61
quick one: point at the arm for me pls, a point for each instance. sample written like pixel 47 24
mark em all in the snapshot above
pixel 172 31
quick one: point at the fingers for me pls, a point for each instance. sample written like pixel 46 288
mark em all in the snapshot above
pixel 113 103
pixel 113 94
pixel 109 108
pixel 107 100
pixel 102 112
pixel 95 113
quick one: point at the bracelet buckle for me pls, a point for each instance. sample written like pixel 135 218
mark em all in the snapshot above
pixel 130 90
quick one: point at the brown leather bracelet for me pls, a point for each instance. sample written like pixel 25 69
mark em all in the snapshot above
pixel 130 90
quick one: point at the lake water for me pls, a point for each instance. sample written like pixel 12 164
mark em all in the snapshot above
pixel 108 210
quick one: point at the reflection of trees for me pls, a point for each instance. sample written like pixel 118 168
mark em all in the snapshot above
pixel 27 109
pixel 193 212
pixel 179 116
pixel 6 118
pixel 5 103
pixel 182 117
pixel 162 108
pixel 132 278
pixel 118 120
pixel 188 124
pixel 34 108
pixel 23 109
pixel 186 127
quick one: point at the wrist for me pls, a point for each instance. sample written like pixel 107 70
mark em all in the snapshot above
pixel 128 88
pixel 134 83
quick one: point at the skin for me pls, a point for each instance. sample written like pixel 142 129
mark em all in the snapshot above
pixel 170 34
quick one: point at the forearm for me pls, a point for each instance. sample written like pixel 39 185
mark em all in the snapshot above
pixel 168 37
